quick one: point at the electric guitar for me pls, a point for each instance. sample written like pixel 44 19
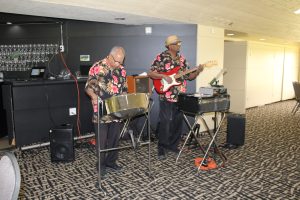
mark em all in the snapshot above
pixel 161 85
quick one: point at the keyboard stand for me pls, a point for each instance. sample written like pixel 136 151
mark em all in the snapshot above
pixel 192 131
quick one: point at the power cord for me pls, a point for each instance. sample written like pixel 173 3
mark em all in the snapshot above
pixel 78 93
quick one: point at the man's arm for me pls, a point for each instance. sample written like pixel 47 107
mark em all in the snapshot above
pixel 194 75
pixel 92 95
pixel 156 75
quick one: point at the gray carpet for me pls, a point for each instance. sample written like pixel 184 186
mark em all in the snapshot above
pixel 266 167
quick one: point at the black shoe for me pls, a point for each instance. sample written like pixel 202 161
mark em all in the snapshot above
pixel 174 150
pixel 161 154
pixel 114 167
pixel 161 157
pixel 230 146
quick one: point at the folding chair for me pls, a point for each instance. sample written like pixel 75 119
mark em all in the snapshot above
pixel 10 177
pixel 296 86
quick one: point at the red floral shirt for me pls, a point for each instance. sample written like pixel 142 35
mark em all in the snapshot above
pixel 164 63
pixel 106 81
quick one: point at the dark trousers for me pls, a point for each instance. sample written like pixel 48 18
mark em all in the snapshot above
pixel 109 138
pixel 170 128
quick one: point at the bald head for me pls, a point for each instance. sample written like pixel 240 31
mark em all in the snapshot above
pixel 118 53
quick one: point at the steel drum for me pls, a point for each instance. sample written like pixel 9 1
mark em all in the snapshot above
pixel 127 105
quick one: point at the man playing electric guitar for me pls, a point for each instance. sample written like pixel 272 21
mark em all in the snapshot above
pixel 162 85
pixel 168 72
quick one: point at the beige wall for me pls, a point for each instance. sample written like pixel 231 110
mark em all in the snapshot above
pixel 291 71
pixel 257 73
pixel 210 46
pixel 271 70
pixel 235 61
pixel 268 69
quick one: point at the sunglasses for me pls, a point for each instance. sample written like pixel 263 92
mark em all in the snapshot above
pixel 177 43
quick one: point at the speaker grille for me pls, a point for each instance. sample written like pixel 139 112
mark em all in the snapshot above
pixel 62 152
pixel 61 143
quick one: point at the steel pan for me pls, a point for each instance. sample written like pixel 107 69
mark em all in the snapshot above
pixel 127 105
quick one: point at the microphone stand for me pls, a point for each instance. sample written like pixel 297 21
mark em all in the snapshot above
pixel 215 80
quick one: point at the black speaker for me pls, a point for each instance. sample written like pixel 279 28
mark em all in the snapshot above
pixel 236 129
pixel 62 143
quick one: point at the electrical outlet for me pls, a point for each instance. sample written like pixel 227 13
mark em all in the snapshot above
pixel 72 111
pixel 61 48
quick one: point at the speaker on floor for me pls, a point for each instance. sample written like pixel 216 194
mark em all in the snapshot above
pixel 62 143
pixel 138 84
pixel 236 129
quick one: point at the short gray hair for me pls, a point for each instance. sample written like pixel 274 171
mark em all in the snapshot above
pixel 117 49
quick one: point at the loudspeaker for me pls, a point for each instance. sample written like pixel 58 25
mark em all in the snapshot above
pixel 62 143
pixel 236 129
pixel 138 84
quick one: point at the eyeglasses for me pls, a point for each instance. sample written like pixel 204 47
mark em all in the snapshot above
pixel 177 43
pixel 118 62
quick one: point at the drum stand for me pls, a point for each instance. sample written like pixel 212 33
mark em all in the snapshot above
pixel 212 142
pixel 135 143
pixel 124 129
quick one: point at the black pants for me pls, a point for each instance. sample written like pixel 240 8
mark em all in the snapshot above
pixel 170 128
pixel 109 138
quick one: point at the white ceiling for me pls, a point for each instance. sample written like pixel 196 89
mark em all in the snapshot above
pixel 273 20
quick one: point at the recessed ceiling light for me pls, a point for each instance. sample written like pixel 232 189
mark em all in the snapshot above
pixel 120 18
pixel 297 11
pixel 262 39
pixel 230 34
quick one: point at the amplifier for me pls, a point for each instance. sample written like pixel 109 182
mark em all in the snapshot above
pixel 236 124
pixel 138 84
pixel 194 104
pixel 212 91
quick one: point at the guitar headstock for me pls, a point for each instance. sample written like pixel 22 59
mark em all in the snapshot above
pixel 210 63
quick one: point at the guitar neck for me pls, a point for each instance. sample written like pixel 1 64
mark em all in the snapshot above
pixel 185 72
pixel 207 64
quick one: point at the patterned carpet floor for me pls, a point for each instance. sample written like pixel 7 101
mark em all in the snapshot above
pixel 266 167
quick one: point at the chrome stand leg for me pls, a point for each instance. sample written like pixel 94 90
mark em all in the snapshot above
pixel 99 147
pixel 149 174
pixel 132 139
pixel 189 134
pixel 141 132
pixel 296 108
pixel 145 123
pixel 125 127
pixel 149 144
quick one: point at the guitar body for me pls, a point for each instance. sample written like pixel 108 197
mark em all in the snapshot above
pixel 161 85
